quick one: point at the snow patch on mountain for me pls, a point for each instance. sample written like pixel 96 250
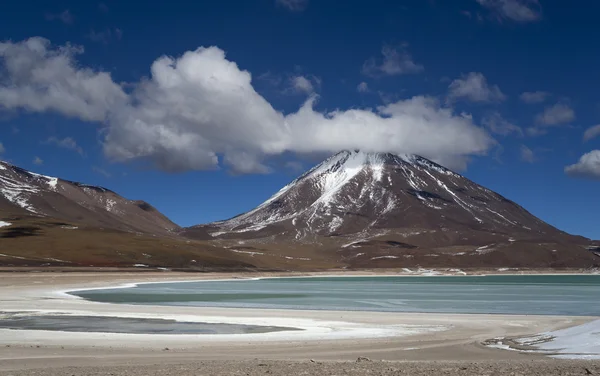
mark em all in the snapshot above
pixel 17 192
pixel 359 193
pixel 501 216
pixel 51 181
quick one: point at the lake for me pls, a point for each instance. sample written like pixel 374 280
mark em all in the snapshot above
pixel 577 295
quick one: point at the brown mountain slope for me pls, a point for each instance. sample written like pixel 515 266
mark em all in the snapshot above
pixel 24 192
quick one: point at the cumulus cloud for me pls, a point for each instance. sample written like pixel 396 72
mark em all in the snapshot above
pixel 65 17
pixel 363 87
pixel 293 5
pixel 38 161
pixel 396 61
pixel 498 125
pixel 591 133
pixel 302 84
pixel 65 143
pixel 514 10
pixel 220 113
pixel 560 113
pixel 200 111
pixel 587 167
pixel 532 97
pixel 474 87
pixel 36 77
pixel 527 154
pixel 2 149
pixel 418 125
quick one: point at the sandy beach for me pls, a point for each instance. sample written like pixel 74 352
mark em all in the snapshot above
pixel 330 343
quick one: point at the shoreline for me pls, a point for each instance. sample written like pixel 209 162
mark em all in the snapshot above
pixel 336 335
pixel 285 276
pixel 325 272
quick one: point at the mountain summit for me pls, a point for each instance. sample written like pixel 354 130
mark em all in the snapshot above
pixel 370 206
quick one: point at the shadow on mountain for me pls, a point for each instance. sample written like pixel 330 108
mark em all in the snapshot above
pixel 19 232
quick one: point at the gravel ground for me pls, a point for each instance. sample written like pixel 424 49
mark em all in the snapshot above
pixel 361 367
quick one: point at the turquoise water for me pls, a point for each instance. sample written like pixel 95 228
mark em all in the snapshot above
pixel 539 295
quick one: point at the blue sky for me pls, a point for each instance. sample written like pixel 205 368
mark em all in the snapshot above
pixel 204 109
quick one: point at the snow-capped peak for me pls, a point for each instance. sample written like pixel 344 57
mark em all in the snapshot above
pixel 337 171
pixel 354 191
pixel 344 182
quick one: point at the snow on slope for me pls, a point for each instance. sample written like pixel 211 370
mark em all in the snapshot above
pixel 18 192
pixel 71 201
pixel 377 187
pixel 362 193
pixel 18 185
pixel 328 178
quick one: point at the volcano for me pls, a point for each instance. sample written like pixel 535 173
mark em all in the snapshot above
pixel 363 209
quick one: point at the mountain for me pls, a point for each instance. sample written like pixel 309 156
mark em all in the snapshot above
pixel 25 192
pixel 51 222
pixel 354 210
pixel 362 209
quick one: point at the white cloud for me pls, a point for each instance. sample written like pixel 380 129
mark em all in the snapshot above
pixel 363 87
pixel 38 161
pixel 218 112
pixel 417 125
pixel 200 110
pixel 587 167
pixel 498 125
pixel 303 84
pixel 295 83
pixel 293 5
pixel 513 10
pixel 560 113
pixel 475 88
pixel 65 143
pixel 191 109
pixel 65 17
pixel 2 149
pixel 591 133
pixel 527 154
pixel 532 97
pixel 38 78
pixel 396 61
